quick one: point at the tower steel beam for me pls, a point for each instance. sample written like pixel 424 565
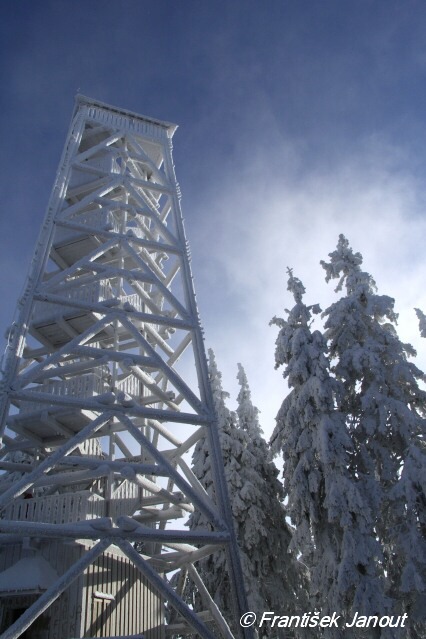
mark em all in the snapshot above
pixel 104 393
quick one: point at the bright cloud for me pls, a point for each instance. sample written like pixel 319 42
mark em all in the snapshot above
pixel 261 226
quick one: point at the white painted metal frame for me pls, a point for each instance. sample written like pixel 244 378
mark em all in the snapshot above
pixel 105 382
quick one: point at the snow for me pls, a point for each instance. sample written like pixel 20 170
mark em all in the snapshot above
pixel 29 574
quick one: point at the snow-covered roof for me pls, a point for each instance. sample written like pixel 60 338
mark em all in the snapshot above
pixel 29 574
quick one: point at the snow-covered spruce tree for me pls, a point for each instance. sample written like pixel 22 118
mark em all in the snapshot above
pixel 262 530
pixel 271 579
pixel 422 322
pixel 333 534
pixel 233 441
pixel 385 411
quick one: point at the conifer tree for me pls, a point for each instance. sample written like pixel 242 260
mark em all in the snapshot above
pixel 263 532
pixel 385 411
pixel 271 579
pixel 422 322
pixel 233 442
pixel 333 525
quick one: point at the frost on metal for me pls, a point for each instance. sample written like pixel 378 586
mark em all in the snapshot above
pixel 105 393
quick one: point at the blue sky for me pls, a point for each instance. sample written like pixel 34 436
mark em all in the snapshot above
pixel 298 120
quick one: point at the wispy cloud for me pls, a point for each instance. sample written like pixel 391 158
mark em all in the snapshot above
pixel 266 222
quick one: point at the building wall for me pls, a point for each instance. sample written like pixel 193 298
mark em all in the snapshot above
pixel 136 608
pixel 63 618
pixel 79 612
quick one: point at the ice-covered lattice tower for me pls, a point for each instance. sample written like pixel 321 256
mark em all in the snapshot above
pixel 105 391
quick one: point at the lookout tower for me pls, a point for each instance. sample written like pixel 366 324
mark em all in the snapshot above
pixel 105 391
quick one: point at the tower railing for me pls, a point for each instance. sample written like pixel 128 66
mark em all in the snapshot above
pixel 57 509
pixel 88 385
